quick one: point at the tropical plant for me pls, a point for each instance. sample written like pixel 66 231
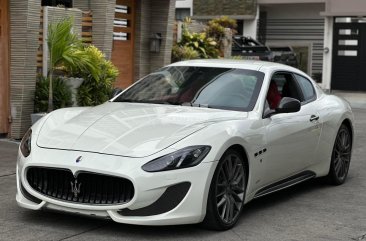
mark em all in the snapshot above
pixel 194 45
pixel 216 30
pixel 61 94
pixel 65 52
pixel 96 90
pixel 216 27
pixel 183 53
pixel 206 47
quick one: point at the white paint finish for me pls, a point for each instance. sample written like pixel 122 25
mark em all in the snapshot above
pixel 261 2
pixel 299 141
pixel 348 42
pixel 115 128
pixel 289 138
pixel 349 53
pixel 344 8
pixel 250 26
pixel 327 57
pixel 184 4
pixel 348 32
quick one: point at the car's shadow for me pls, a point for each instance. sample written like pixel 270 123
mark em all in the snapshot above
pixel 61 220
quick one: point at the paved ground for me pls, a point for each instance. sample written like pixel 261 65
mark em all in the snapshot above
pixel 309 211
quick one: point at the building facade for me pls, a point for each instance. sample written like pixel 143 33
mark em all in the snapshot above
pixel 122 29
pixel 329 35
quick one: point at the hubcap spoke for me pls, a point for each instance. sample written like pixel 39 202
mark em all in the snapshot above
pixel 237 198
pixel 221 202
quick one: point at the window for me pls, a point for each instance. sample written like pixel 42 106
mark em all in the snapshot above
pixel 306 88
pixel 220 88
pixel 282 85
pixel 182 13
pixel 287 85
pixel 54 3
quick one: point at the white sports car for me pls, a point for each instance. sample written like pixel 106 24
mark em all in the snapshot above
pixel 190 143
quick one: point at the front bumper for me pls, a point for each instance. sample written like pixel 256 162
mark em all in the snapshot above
pixel 150 188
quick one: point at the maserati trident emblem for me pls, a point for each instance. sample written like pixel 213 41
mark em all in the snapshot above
pixel 75 188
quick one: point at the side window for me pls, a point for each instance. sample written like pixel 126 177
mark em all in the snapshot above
pixel 282 85
pixel 306 87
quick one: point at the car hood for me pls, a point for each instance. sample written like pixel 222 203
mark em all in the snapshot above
pixel 126 129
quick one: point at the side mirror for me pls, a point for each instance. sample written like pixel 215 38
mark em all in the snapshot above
pixel 288 105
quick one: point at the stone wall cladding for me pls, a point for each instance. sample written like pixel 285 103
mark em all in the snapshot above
pixel 162 21
pixel 57 14
pixel 24 29
pixel 103 18
pixel 153 16
pixel 83 5
pixel 219 7
pixel 142 38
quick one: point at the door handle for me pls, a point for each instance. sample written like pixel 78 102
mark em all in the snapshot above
pixel 314 118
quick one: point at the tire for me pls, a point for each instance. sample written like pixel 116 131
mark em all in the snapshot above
pixel 226 198
pixel 341 157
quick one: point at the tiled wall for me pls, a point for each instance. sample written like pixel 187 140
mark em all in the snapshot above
pixel 153 16
pixel 24 28
pixel 103 16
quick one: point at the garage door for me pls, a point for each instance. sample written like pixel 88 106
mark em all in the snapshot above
pixel 4 67
pixel 349 54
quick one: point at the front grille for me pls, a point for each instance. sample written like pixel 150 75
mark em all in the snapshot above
pixel 90 188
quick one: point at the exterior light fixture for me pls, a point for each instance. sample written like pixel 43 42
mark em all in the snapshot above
pixel 155 42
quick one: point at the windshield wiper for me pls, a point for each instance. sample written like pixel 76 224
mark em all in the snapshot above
pixel 196 105
pixel 125 100
pixel 165 102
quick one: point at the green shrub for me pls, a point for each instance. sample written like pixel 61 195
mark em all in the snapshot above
pixel 96 90
pixel 194 46
pixel 184 53
pixel 206 47
pixel 216 27
pixel 61 94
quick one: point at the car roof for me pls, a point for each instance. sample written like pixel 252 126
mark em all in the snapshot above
pixel 233 63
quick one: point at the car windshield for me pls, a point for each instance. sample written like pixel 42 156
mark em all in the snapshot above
pixel 221 88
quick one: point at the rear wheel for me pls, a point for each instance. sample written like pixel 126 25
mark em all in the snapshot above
pixel 341 156
pixel 227 192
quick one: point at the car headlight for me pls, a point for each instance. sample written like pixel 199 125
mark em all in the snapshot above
pixel 186 157
pixel 25 145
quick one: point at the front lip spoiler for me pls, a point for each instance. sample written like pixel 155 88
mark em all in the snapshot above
pixel 28 196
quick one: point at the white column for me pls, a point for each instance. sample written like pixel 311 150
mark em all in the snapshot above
pixel 328 50
pixel 250 26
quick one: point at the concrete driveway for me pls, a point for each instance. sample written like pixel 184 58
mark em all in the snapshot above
pixel 309 211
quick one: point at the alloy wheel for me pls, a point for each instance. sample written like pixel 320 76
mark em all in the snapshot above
pixel 230 188
pixel 342 153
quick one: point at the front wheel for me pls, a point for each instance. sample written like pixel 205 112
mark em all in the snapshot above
pixel 227 192
pixel 341 156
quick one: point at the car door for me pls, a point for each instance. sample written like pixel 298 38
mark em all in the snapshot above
pixel 292 138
